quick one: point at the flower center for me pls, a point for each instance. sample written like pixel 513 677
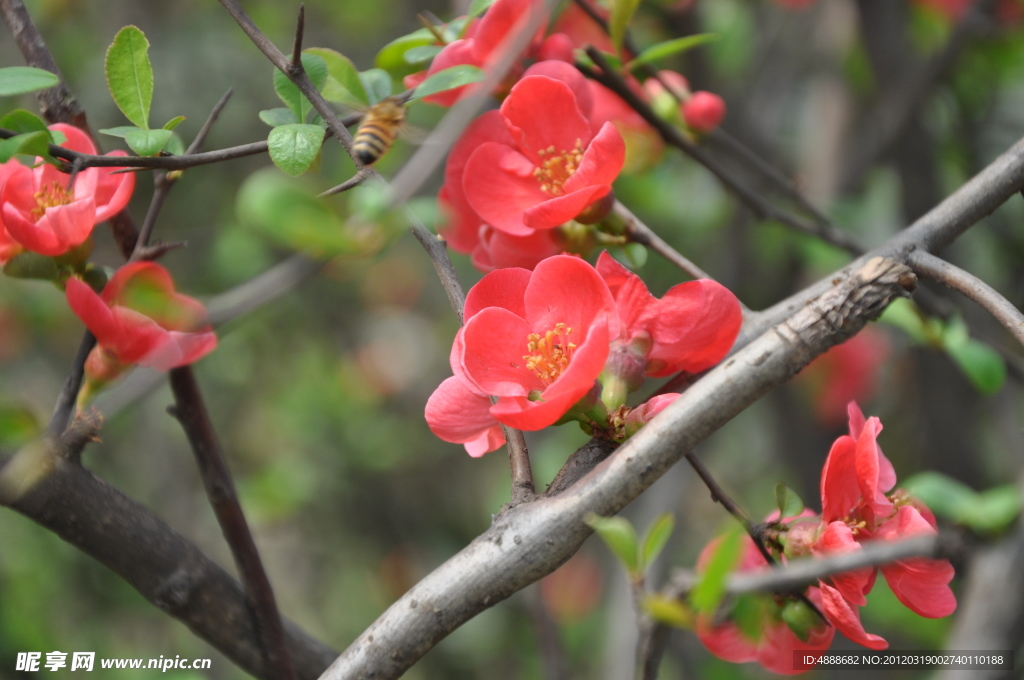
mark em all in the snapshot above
pixel 556 167
pixel 550 354
pixel 50 196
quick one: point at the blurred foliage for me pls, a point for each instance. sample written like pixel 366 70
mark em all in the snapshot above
pixel 318 397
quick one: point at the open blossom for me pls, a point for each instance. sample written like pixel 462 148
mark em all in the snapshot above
pixel 466 231
pixel 43 213
pixel 859 505
pixel 536 340
pixel 568 341
pixel 545 169
pixel 140 319
pixel 8 246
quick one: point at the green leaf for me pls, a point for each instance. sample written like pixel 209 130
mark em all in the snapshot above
pixel 147 142
pixel 130 75
pixel 29 144
pixel 995 510
pixel 422 53
pixel 669 611
pixel 788 501
pixel 21 121
pixel 342 84
pixel 800 619
pixel 174 145
pixel 620 537
pixel 21 79
pixel 377 83
pixel 449 79
pixel 478 7
pixel 293 148
pixel 288 212
pixel 316 68
pixel 29 265
pixel 622 14
pixel 392 59
pixel 120 131
pixel 278 116
pixel 669 48
pixel 174 122
pixel 655 538
pixel 710 589
pixel 749 612
pixel 988 512
pixel 980 363
pixel 906 316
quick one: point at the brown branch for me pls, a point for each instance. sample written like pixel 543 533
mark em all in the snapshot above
pixel 69 390
pixel 929 266
pixel 190 410
pixel 355 180
pixel 300 29
pixel 163 566
pixel 58 104
pixel 519 462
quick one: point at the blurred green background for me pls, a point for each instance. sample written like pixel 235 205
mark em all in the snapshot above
pixel 318 397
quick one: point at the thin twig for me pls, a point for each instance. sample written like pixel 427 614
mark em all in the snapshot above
pixel 519 462
pixel 69 390
pixel 800 573
pixel 929 266
pixel 300 29
pixel 639 232
pixel 761 207
pixel 190 410
pixel 164 182
pixel 355 180
pixel 719 136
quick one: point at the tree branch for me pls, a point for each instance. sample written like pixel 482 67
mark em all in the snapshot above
pixel 928 266
pixel 190 410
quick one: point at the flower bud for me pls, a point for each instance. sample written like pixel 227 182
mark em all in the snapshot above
pixel 704 111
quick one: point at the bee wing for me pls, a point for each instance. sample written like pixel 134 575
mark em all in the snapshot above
pixel 413 134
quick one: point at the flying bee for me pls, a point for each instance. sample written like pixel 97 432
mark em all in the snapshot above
pixel 378 130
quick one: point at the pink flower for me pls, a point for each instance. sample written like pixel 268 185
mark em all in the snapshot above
pixel 645 412
pixel 857 474
pixel 45 215
pixel 536 340
pixel 774 647
pixel 140 319
pixel 456 414
pixel 8 246
pixel 551 169
pixel 691 328
pixel 703 111
pixel 920 584
pixel 484 44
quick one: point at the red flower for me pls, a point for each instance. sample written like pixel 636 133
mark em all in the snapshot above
pixel 456 414
pixel 550 171
pixel 484 44
pixel 46 215
pixel 857 473
pixel 8 246
pixel 774 648
pixel 536 340
pixel 689 329
pixel 140 319
pixel 920 584
pixel 703 111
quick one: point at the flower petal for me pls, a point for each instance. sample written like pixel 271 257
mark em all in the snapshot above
pixel 693 327
pixel 457 415
pixel 92 310
pixel 853 585
pixel 494 341
pixel 566 289
pixel 920 584
pixel 554 212
pixel 504 288
pixel 847 619
pixel 839 489
pixel 561 127
pixel 602 161
pixel 499 185
pixel 868 467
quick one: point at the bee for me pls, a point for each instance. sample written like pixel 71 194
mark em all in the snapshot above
pixel 378 130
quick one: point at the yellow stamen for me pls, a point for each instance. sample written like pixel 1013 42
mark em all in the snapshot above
pixel 549 355
pixel 557 167
pixel 50 196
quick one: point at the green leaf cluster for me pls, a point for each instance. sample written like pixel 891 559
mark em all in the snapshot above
pixel 985 512
pixel 130 81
